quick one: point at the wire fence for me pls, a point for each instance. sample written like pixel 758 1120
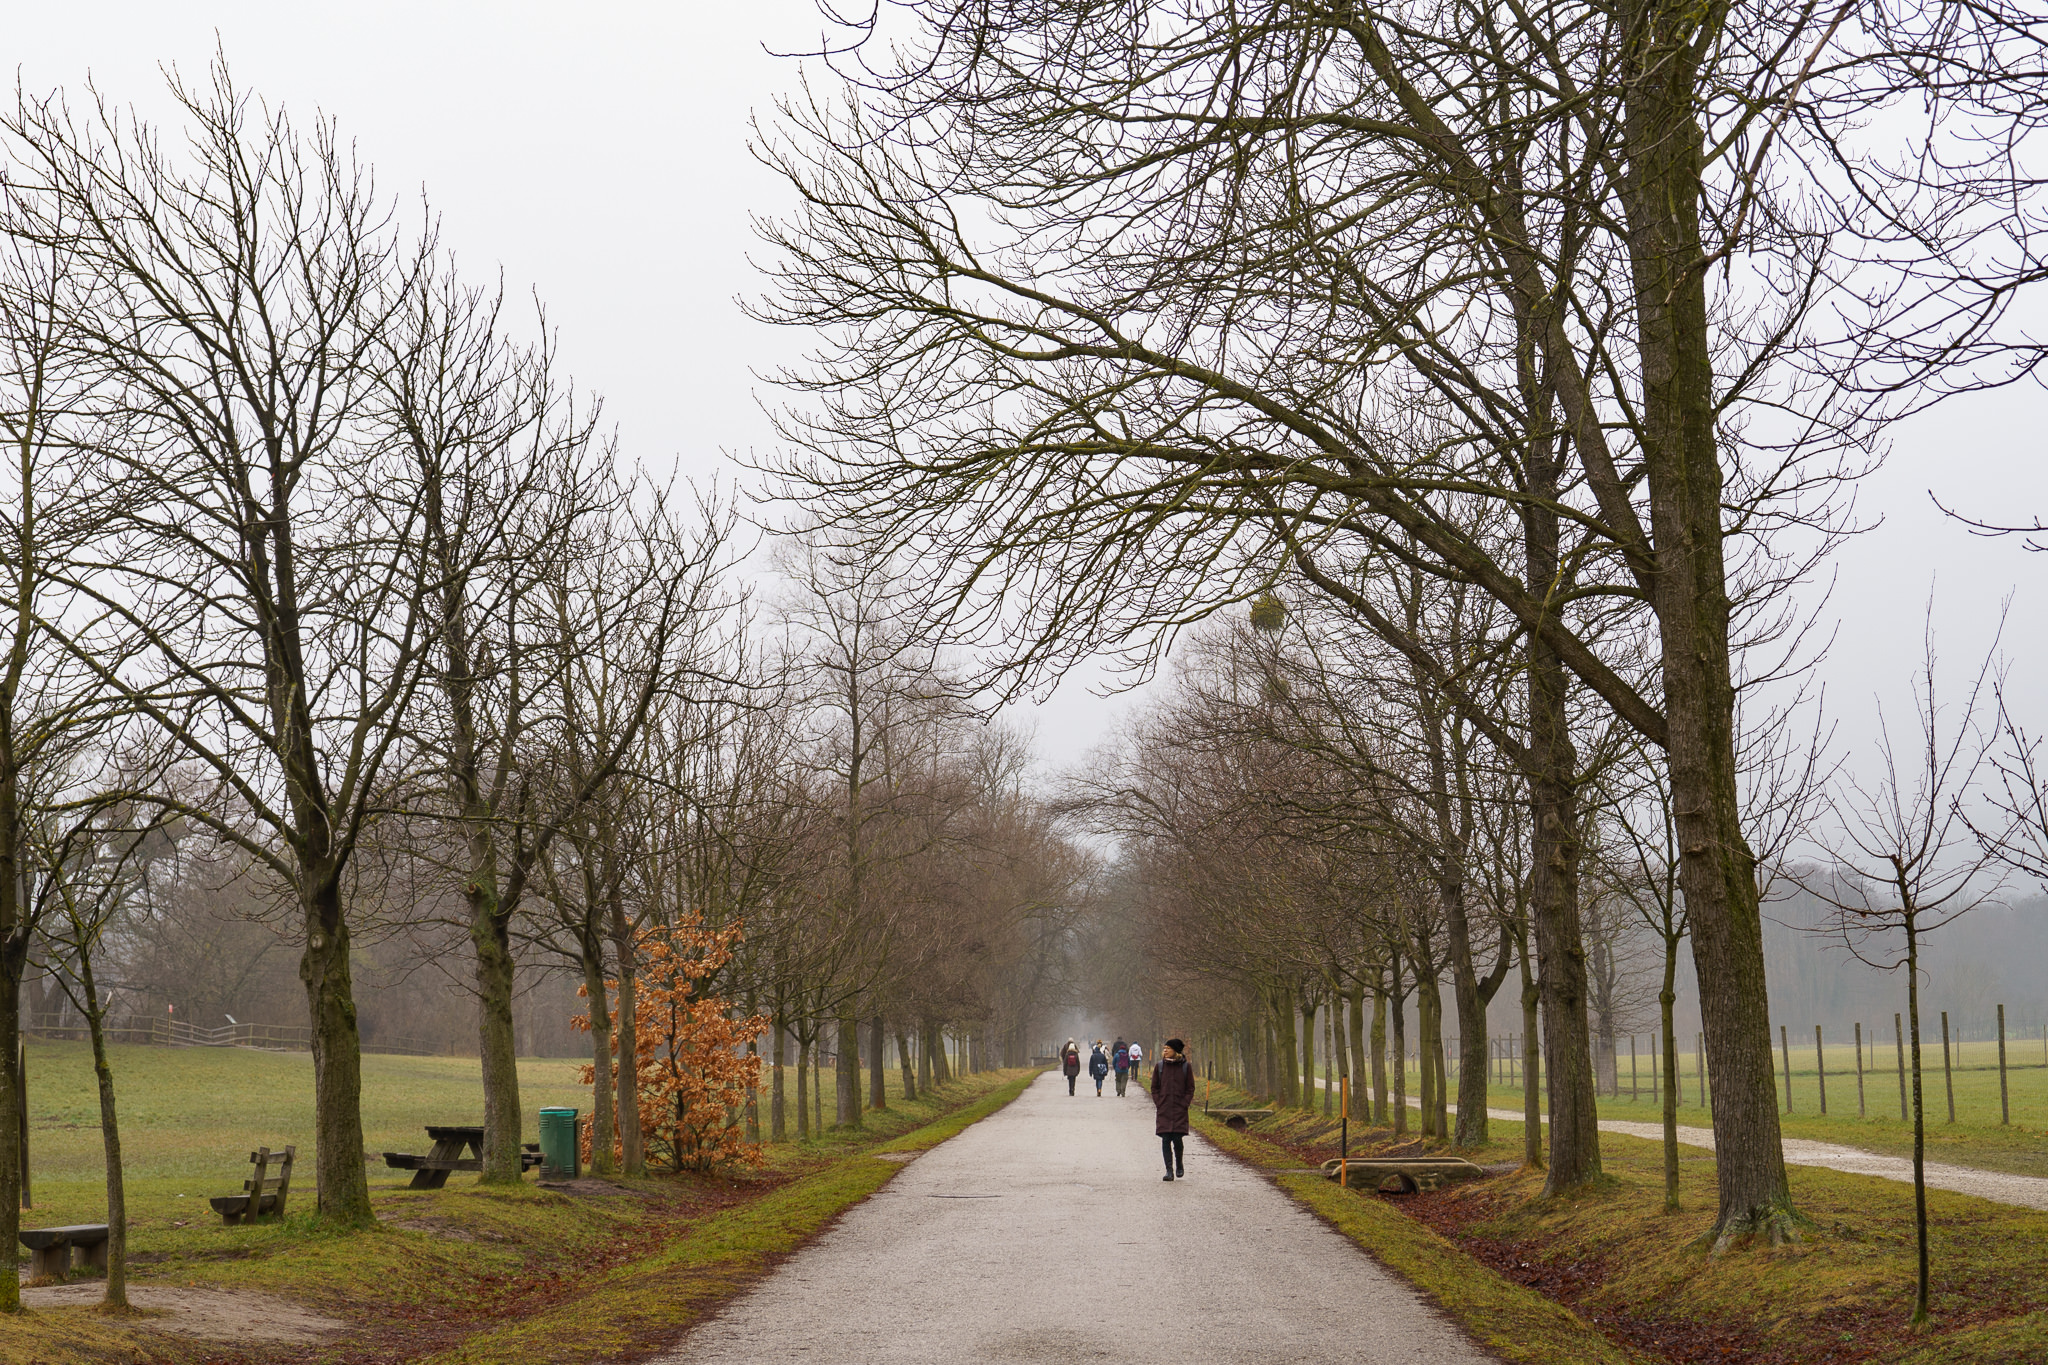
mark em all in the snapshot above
pixel 1979 1071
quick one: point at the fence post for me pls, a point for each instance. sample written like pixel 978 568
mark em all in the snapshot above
pixel 1820 1061
pixel 1633 1078
pixel 1785 1048
pixel 1860 1111
pixel 1947 1076
pixel 2004 1104
pixel 1899 1028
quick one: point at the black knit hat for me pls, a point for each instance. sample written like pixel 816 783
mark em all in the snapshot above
pixel 1176 1044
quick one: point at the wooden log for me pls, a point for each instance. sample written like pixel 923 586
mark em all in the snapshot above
pixel 1412 1174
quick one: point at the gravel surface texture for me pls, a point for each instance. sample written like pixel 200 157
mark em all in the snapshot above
pixel 1044 1233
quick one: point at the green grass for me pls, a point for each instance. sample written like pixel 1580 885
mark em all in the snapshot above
pixel 189 1116
pixel 443 1271
pixel 1975 1138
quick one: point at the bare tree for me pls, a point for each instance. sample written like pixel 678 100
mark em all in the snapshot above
pixel 238 296
pixel 84 860
pixel 1902 862
pixel 536 557
pixel 57 504
pixel 1130 305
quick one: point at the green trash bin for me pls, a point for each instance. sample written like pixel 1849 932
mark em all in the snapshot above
pixel 560 1158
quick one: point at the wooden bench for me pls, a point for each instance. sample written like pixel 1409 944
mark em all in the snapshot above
pixel 264 1192
pixel 430 1172
pixel 54 1249
pixel 1412 1174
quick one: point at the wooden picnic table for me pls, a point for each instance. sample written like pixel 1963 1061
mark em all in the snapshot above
pixel 430 1172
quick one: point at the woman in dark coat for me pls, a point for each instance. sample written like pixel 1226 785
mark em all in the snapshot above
pixel 1098 1067
pixel 1173 1090
pixel 1070 1062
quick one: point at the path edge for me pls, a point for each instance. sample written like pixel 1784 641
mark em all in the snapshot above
pixel 1512 1321
pixel 654 1302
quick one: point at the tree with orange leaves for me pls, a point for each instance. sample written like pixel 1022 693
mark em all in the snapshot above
pixel 692 1067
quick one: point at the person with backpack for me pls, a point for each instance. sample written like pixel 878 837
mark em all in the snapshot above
pixel 1137 1058
pixel 1070 1063
pixel 1120 1058
pixel 1098 1066
pixel 1173 1091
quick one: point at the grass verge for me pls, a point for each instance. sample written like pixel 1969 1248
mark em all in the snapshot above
pixel 1639 1278
pixel 644 1304
pixel 1517 1322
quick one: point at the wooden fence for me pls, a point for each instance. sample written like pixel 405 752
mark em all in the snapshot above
pixel 169 1031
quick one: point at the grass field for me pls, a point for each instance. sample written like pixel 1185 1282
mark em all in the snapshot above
pixel 1606 1274
pixel 462 1274
pixel 189 1116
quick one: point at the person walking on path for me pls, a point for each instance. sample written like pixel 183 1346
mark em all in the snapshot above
pixel 1137 1058
pixel 1173 1090
pixel 1120 1058
pixel 1098 1067
pixel 1070 1063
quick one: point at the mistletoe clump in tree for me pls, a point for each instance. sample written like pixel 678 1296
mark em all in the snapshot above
pixel 693 1070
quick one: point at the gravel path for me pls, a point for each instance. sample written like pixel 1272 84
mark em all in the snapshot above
pixel 1044 1233
pixel 2026 1191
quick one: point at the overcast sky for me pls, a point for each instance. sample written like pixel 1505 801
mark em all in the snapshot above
pixel 598 154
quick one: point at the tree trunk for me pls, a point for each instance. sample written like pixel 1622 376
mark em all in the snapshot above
pixel 1379 1056
pixel 14 945
pixel 604 1118
pixel 110 1140
pixel 1560 946
pixel 924 1057
pixel 1338 1037
pixel 1532 1061
pixel 1354 1017
pixel 778 1122
pixel 341 1180
pixel 753 1100
pixel 632 1141
pixel 490 936
pixel 1667 999
pixel 941 1072
pixel 1677 430
pixel 878 1065
pixel 1425 1057
pixel 1398 1062
pixel 909 1072
pixel 803 1088
pixel 1308 1054
pixel 1284 1044
pixel 1920 1289
pixel 1471 997
pixel 846 1076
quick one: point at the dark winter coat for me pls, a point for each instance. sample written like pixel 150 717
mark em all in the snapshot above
pixel 1070 1062
pixel 1173 1090
pixel 1098 1065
